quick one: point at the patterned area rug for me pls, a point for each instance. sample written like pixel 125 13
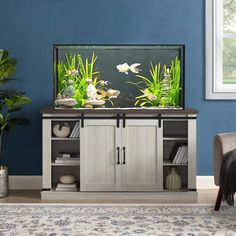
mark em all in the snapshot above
pixel 67 220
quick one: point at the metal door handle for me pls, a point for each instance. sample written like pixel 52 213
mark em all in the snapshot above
pixel 123 155
pixel 118 155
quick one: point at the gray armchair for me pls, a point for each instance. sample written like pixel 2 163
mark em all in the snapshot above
pixel 223 143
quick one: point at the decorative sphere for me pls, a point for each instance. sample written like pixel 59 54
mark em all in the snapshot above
pixel 67 179
pixel 61 130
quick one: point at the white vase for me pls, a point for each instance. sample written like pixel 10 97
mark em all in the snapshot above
pixel 173 180
pixel 61 130
pixel 3 181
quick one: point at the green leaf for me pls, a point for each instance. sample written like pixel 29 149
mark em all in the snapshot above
pixel 3 127
pixel 6 71
pixel 1 118
pixel 144 78
pixel 143 103
pixel 22 100
pixel 9 102
pixel 17 100
pixel 18 121
pixel 3 54
pixel 136 103
pixel 15 109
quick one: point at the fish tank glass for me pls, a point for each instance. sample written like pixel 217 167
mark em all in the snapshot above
pixel 118 76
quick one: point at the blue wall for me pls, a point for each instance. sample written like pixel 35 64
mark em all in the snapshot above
pixel 29 28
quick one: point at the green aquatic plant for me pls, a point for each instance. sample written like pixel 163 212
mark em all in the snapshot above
pixel 175 82
pixel 170 85
pixel 78 71
pixel 150 87
pixel 161 88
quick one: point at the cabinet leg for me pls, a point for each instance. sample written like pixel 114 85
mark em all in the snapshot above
pixel 218 200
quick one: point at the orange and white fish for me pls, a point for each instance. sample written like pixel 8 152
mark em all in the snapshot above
pixel 72 72
pixel 124 68
pixel 103 82
pixel 150 96
pixel 110 93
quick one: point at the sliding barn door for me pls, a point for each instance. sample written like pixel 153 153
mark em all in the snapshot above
pixel 99 140
pixel 142 156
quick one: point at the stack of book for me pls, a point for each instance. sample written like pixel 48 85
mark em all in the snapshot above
pixel 179 154
pixel 68 158
pixel 67 187
pixel 75 131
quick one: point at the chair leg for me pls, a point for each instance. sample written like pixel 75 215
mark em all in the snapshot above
pixel 218 199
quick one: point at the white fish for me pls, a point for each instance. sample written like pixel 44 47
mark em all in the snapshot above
pixel 124 68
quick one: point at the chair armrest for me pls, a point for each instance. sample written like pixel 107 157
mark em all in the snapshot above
pixel 223 143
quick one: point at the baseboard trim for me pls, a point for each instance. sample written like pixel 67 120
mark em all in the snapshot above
pixel 206 182
pixel 35 182
pixel 25 182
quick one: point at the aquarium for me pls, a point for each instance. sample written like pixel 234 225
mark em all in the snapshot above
pixel 118 76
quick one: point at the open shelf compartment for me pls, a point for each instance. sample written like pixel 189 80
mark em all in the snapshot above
pixel 183 173
pixel 71 124
pixel 58 171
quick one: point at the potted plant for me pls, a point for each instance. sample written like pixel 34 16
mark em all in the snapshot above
pixel 11 102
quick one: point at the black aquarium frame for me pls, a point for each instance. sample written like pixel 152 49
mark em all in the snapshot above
pixel 181 48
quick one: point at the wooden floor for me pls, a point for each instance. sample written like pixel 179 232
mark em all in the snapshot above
pixel 33 196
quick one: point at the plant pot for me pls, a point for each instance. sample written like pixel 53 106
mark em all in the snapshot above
pixel 3 181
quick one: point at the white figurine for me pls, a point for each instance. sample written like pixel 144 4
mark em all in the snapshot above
pixel 91 90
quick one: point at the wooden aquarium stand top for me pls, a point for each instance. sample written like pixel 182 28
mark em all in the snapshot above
pixel 154 111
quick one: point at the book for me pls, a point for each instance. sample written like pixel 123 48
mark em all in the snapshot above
pixel 72 135
pixel 64 155
pixel 66 189
pixel 185 160
pixel 184 148
pixel 77 132
pixel 185 155
pixel 68 155
pixel 175 161
pixel 60 185
pixel 174 152
pixel 176 157
pixel 68 158
pixel 72 132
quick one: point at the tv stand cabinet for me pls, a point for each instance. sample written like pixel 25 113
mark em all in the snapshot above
pixel 124 153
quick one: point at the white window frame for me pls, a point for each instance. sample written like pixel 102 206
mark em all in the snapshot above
pixel 215 89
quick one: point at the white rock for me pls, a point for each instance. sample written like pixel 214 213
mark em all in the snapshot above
pixel 95 102
pixel 66 102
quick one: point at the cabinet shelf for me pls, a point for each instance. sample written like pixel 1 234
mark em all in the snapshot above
pixel 174 137
pixel 65 139
pixel 65 164
pixel 168 163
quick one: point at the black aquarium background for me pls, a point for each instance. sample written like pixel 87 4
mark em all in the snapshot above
pixel 109 56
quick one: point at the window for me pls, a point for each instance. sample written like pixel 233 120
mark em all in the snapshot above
pixel 221 49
